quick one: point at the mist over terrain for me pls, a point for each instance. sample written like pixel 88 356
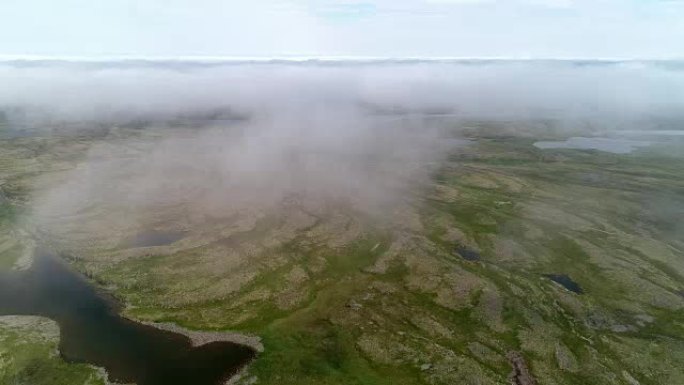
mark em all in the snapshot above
pixel 196 141
pixel 342 192
pixel 377 222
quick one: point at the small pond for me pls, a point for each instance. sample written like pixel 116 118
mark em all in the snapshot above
pixel 468 254
pixel 566 282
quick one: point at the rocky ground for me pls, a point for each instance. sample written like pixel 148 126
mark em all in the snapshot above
pixel 450 287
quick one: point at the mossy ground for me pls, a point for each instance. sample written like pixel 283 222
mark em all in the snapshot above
pixel 29 356
pixel 340 298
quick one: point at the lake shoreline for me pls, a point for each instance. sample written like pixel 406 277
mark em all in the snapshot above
pixel 83 301
pixel 202 337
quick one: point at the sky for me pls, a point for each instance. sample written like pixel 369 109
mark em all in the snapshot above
pixel 627 29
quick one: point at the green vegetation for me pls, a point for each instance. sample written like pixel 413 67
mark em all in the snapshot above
pixel 28 355
pixel 342 298
pixel 11 248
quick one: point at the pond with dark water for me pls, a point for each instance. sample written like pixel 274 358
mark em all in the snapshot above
pixel 468 254
pixel 92 331
pixel 566 282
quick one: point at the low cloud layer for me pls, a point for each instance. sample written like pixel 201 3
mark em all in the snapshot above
pixel 211 140
pixel 123 90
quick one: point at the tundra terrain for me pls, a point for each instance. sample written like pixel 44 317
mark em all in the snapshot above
pixel 507 264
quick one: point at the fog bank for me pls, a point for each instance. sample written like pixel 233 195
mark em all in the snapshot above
pixel 482 89
pixel 210 141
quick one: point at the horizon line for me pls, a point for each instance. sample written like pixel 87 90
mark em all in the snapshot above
pixel 312 58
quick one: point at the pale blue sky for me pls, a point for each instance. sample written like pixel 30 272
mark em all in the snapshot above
pixel 380 28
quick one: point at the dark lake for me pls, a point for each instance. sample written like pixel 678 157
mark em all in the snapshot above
pixel 91 330
pixel 566 282
pixel 468 254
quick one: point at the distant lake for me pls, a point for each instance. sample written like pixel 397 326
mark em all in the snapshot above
pixel 651 132
pixel 613 145
pixel 92 331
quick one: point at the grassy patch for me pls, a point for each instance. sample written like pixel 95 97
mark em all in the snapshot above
pixel 28 356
